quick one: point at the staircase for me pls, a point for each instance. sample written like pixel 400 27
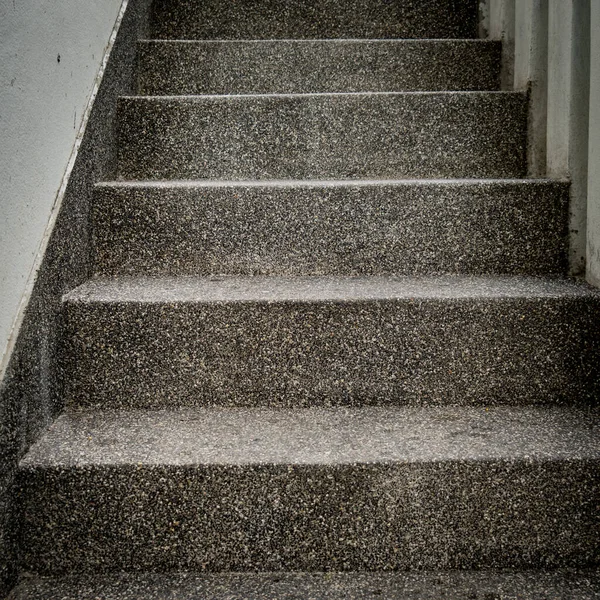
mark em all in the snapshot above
pixel 329 349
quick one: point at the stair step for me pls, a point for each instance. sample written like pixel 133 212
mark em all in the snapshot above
pixel 313 489
pixel 330 227
pixel 267 19
pixel 145 342
pixel 297 66
pixel 458 585
pixel 323 136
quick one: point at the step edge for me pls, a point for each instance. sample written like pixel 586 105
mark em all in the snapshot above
pixel 563 583
pixel 310 183
pixel 538 423
pixel 182 98
pixel 308 41
pixel 31 467
pixel 444 288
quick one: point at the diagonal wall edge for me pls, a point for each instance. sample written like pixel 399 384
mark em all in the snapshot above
pixel 27 402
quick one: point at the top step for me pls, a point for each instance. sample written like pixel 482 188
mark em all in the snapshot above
pixel 313 19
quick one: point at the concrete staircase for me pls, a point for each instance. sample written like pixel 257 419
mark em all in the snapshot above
pixel 329 328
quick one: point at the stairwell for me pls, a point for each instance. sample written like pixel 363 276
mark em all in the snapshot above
pixel 330 348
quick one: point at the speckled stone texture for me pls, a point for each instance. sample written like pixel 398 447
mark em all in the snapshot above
pixel 325 340
pixel 335 227
pixel 320 136
pixel 327 331
pixel 363 489
pixel 273 19
pixel 470 585
pixel 299 66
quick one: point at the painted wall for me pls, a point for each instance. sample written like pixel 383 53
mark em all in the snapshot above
pixel 50 55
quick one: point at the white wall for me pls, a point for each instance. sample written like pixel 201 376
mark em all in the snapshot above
pixel 42 102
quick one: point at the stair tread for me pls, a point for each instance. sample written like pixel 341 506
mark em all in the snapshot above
pixel 324 288
pixel 476 585
pixel 206 436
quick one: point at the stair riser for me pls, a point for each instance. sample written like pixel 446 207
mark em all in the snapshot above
pixel 323 136
pixel 331 229
pixel 167 68
pixel 272 19
pixel 446 515
pixel 462 351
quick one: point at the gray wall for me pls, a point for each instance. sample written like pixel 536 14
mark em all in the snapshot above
pixel 51 53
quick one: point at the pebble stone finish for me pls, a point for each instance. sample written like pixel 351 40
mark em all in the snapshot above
pixel 464 432
pixel 330 227
pixel 321 136
pixel 363 489
pixel 469 585
pixel 300 66
pixel 272 19
pixel 143 342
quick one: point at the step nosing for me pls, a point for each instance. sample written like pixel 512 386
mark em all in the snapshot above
pixel 138 463
pixel 346 290
pixel 416 41
pixel 361 437
pixel 524 583
pixel 224 97
pixel 205 183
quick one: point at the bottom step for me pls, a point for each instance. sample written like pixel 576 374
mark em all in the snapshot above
pixel 259 490
pixel 528 585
